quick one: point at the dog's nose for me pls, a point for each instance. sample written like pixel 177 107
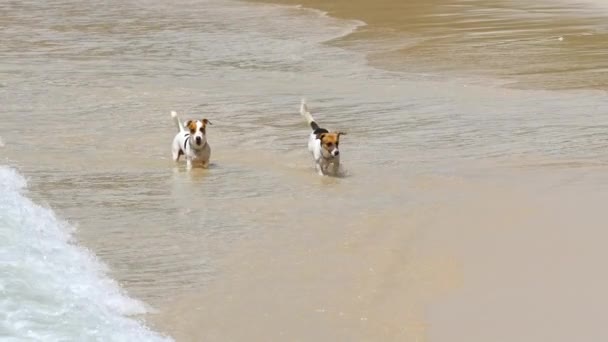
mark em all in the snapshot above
pixel 336 153
pixel 198 140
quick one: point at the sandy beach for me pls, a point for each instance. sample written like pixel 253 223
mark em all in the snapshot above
pixel 471 206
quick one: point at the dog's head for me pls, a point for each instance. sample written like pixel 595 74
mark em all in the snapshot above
pixel 330 144
pixel 198 132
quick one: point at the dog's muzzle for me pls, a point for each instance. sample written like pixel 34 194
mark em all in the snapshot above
pixel 198 140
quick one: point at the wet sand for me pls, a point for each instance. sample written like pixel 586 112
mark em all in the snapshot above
pixel 491 260
pixel 530 45
pixel 346 276
pixel 532 266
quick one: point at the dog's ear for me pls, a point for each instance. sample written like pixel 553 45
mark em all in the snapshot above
pixel 341 133
pixel 320 136
pixel 191 124
pixel 206 122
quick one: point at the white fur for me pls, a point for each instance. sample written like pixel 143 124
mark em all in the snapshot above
pixel 326 162
pixel 196 151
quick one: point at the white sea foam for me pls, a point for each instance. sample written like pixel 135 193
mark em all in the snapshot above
pixel 52 289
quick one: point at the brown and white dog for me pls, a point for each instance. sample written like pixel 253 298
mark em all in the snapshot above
pixel 323 145
pixel 191 142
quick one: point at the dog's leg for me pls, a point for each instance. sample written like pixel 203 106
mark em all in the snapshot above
pixel 335 167
pixel 176 152
pixel 188 164
pixel 205 164
pixel 319 169
pixel 176 156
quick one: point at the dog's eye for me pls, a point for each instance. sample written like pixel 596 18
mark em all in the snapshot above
pixel 202 130
pixel 330 144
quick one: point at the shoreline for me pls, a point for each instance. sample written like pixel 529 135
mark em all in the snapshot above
pixel 479 51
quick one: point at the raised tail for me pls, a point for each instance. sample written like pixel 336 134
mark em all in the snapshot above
pixel 178 123
pixel 306 114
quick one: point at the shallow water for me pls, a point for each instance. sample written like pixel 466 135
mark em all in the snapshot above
pixel 87 88
pixel 526 44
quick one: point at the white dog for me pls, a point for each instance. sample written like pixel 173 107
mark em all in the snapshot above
pixel 323 145
pixel 192 143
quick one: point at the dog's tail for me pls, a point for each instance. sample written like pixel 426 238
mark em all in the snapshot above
pixel 306 114
pixel 178 123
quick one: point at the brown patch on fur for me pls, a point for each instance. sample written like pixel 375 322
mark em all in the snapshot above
pixel 330 140
pixel 191 125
